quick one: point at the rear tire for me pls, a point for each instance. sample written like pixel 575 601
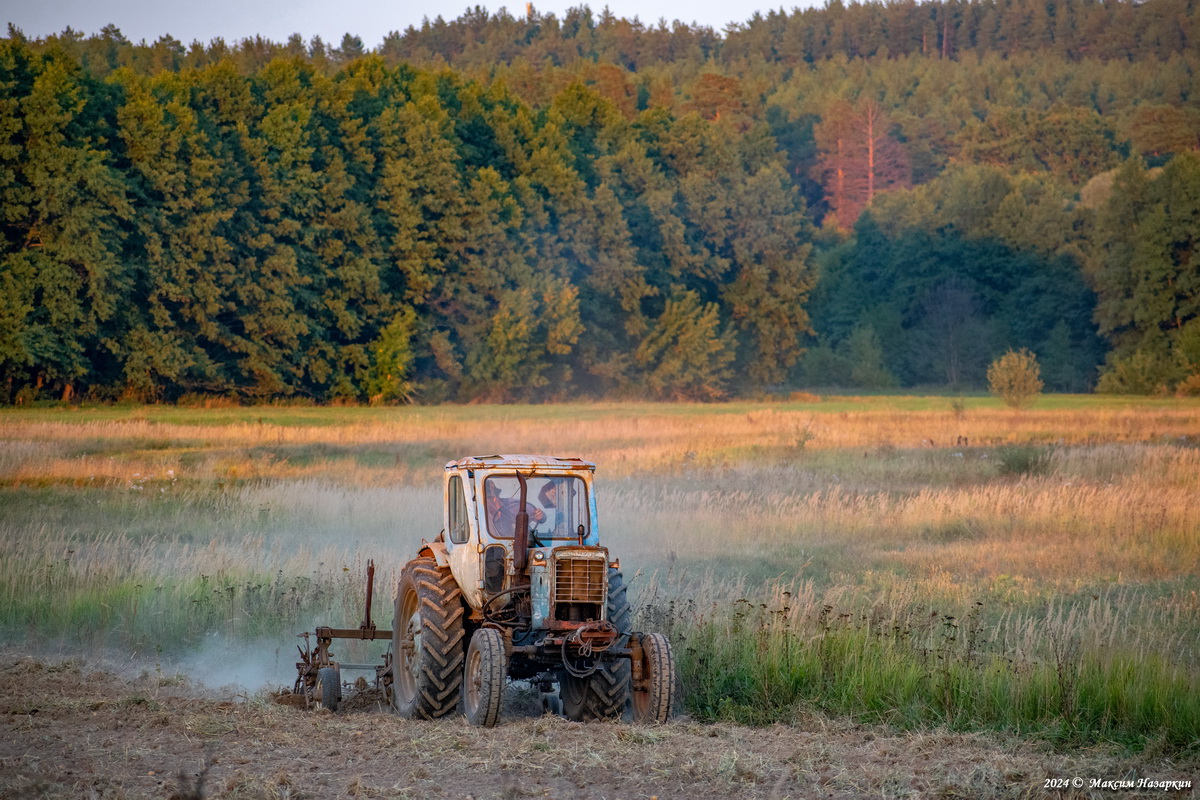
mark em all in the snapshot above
pixel 604 693
pixel 427 642
pixel 484 677
pixel 654 694
pixel 329 683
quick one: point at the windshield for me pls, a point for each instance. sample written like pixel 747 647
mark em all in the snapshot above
pixel 557 505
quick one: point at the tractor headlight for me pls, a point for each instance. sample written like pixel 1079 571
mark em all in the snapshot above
pixel 539 556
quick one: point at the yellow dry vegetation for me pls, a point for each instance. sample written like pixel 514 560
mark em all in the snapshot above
pixel 1069 536
pixel 407 445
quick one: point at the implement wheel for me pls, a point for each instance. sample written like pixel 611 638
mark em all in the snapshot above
pixel 485 674
pixel 654 688
pixel 603 694
pixel 427 642
pixel 329 687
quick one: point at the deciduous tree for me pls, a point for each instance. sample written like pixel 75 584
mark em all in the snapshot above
pixel 1015 378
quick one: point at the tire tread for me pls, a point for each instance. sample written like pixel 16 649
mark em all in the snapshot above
pixel 605 691
pixel 489 643
pixel 440 603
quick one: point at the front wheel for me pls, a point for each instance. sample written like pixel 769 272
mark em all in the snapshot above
pixel 484 677
pixel 329 687
pixel 654 678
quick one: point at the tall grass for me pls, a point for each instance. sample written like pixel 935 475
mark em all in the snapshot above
pixel 142 571
pixel 1038 574
pixel 1117 667
pixel 114 593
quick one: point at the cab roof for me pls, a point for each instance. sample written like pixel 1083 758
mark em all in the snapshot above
pixel 522 462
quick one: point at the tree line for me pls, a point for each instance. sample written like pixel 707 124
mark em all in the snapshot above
pixel 381 234
pixel 465 214
pixel 478 40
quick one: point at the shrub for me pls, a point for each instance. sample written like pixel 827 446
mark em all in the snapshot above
pixel 825 367
pixel 864 355
pixel 1189 386
pixel 1139 373
pixel 1015 378
pixel 1024 459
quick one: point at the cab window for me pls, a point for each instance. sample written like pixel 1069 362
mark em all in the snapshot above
pixel 557 506
pixel 460 528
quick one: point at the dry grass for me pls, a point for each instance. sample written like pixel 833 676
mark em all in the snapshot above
pixel 1102 514
pixel 374 447
pixel 151 528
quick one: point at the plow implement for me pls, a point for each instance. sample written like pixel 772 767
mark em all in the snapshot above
pixel 319 674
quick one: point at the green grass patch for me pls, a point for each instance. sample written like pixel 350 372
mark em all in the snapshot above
pixel 762 663
pixel 87 607
pixel 1024 459
pixel 309 416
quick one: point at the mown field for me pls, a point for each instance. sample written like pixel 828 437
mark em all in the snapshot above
pixel 918 562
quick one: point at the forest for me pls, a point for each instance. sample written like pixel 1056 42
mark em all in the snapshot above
pixel 499 208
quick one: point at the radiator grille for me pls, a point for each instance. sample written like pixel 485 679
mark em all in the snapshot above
pixel 580 580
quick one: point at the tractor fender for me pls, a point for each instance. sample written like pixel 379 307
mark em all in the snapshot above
pixel 436 551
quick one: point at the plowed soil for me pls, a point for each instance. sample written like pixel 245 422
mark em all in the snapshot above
pixel 69 731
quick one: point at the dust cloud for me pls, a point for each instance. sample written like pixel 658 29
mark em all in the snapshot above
pixel 235 666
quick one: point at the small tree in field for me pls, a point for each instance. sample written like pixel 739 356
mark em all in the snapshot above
pixel 1015 378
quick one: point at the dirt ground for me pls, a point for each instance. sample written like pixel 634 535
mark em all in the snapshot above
pixel 68 731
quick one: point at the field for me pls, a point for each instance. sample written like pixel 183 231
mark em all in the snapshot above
pixel 1017 589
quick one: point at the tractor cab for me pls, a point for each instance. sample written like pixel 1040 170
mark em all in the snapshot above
pixel 522 539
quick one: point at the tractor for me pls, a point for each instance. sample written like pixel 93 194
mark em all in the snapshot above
pixel 516 586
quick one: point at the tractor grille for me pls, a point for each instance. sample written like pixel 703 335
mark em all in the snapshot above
pixel 580 580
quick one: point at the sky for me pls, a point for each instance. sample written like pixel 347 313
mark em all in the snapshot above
pixel 278 19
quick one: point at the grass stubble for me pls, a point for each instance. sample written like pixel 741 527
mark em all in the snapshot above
pixel 151 735
pixel 1029 574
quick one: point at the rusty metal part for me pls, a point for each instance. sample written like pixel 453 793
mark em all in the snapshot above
pixel 594 636
pixel 506 615
pixel 636 658
pixel 353 633
pixel 579 580
pixel 521 532
pixel 314 659
pixel 311 662
pixel 578 586
pixel 366 623
pixel 366 629
pixel 526 462
pixel 654 678
pixel 584 645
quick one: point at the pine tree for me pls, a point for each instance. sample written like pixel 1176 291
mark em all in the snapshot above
pixel 65 209
pixel 859 158
pixel 1147 273
pixel 1159 130
pixel 770 249
pixel 393 360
